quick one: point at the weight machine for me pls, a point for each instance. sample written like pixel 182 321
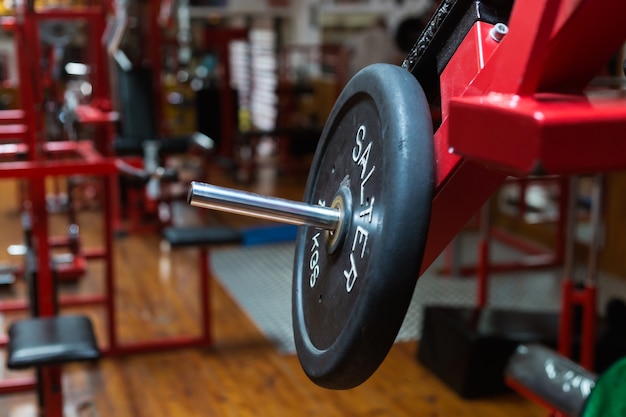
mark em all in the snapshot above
pixel 144 141
pixel 510 79
pixel 31 158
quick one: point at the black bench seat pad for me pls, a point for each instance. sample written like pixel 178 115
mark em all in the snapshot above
pixel 202 235
pixel 53 340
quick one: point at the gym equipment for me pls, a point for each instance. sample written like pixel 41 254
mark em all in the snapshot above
pixel 564 387
pixel 143 176
pixel 51 341
pixel 508 81
pixel 475 364
pixel 552 380
pixel 35 161
pixel 534 256
pixel 376 147
pixel 62 159
pixel 46 342
pixel 468 348
pixel 581 294
pixel 71 264
pixel 145 190
pixel 202 238
pixel 347 317
pixel 141 134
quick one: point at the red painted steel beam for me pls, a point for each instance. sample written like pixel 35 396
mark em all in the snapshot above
pixel 529 394
pixel 36 169
pixel 17 384
pixel 517 64
pixel 12 116
pixel 71 271
pixel 92 115
pixel 593 32
pixel 7 306
pixel 13 150
pixel 461 186
pixel 541 134
pixel 13 132
pixel 80 158
pixel 130 348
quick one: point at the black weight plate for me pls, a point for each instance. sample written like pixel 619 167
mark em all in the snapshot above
pixel 350 298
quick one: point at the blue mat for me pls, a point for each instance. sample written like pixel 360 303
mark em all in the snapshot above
pixel 262 235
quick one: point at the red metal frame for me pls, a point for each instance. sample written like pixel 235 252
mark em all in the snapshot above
pixel 80 158
pixel 34 160
pixel 85 160
pixel 535 256
pixel 520 108
pixel 521 389
pixel 585 298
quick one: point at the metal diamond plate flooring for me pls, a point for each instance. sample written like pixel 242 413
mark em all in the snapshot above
pixel 259 279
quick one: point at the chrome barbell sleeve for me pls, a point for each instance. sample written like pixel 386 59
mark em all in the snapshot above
pixel 256 205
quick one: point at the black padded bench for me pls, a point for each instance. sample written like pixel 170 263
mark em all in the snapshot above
pixel 203 237
pixel 46 343
pixel 42 341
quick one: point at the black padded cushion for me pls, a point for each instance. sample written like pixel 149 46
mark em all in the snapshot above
pixel 198 236
pixel 123 146
pixel 51 340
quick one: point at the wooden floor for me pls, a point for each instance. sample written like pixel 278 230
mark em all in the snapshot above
pixel 241 375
